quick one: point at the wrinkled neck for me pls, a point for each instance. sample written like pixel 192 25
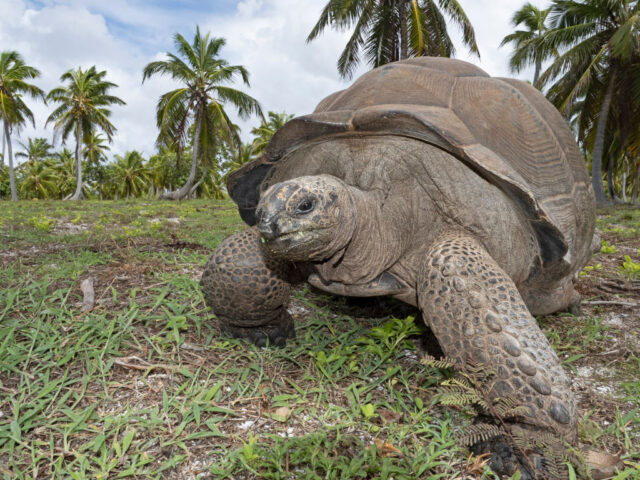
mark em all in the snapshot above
pixel 373 246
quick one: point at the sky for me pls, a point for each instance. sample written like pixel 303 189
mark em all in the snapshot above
pixel 268 37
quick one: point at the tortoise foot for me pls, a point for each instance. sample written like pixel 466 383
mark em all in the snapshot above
pixel 506 460
pixel 271 334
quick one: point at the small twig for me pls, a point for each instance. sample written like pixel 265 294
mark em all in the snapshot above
pixel 125 362
pixel 238 400
pixel 107 288
pixel 608 353
pixel 609 302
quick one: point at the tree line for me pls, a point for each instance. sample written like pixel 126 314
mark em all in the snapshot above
pixel 585 55
pixel 192 122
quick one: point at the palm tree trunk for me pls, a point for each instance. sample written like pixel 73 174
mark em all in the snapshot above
pixel 598 147
pixel 536 74
pixel 4 144
pixel 78 193
pixel 404 37
pixel 609 174
pixel 12 176
pixel 199 182
pixel 186 188
pixel 636 183
pixel 625 173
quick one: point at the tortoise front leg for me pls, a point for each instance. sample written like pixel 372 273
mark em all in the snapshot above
pixel 249 291
pixel 476 312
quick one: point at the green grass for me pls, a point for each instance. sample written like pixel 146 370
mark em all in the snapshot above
pixel 144 386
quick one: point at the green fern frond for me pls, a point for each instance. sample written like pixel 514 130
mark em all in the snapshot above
pixel 459 399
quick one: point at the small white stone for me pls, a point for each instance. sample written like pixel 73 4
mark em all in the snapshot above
pixel 246 425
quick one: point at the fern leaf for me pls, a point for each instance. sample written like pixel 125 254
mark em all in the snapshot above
pixel 480 432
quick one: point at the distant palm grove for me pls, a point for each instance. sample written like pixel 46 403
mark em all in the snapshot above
pixel 584 55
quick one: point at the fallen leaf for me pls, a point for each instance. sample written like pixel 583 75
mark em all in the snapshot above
pixel 602 464
pixel 281 414
pixel 386 449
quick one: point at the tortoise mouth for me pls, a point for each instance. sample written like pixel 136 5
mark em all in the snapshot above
pixel 285 241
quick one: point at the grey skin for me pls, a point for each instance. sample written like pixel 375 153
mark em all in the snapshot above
pixel 446 240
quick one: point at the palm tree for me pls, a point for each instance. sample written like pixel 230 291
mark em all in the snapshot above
pixel 38 180
pixel 215 186
pixel 528 45
pixel 130 174
pixel 244 155
pixel 600 47
pixel 14 113
pixel 84 106
pixel 95 149
pixel 390 30
pixel 267 128
pixel 64 166
pixel 203 75
pixel 36 150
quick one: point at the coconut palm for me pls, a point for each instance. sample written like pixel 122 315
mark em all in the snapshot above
pixel 244 155
pixel 600 51
pixel 528 45
pixel 39 180
pixel 14 113
pixel 203 75
pixel 36 150
pixel 84 107
pixel 390 30
pixel 64 166
pixel 215 186
pixel 130 174
pixel 267 128
pixel 95 148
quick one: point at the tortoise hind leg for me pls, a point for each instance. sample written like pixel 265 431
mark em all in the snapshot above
pixel 249 291
pixel 474 309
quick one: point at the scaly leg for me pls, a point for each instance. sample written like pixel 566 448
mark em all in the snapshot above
pixel 476 312
pixel 249 291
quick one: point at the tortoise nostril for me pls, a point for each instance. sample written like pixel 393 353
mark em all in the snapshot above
pixel 268 227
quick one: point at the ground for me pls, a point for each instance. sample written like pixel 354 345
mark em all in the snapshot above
pixel 140 384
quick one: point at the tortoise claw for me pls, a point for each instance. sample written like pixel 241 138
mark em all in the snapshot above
pixel 504 460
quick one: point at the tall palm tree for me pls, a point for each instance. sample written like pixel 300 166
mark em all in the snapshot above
pixel 390 30
pixel 203 74
pixel 84 107
pixel 600 47
pixel 14 113
pixel 130 174
pixel 36 150
pixel 267 128
pixel 528 44
pixel 39 180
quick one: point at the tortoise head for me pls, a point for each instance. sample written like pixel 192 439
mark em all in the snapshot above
pixel 307 218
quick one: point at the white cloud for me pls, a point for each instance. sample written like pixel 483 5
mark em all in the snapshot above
pixel 266 36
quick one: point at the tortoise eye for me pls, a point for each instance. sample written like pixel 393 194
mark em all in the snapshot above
pixel 305 206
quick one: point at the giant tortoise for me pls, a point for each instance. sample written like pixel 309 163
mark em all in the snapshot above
pixel 429 181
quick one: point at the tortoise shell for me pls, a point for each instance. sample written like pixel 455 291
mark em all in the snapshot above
pixel 503 129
